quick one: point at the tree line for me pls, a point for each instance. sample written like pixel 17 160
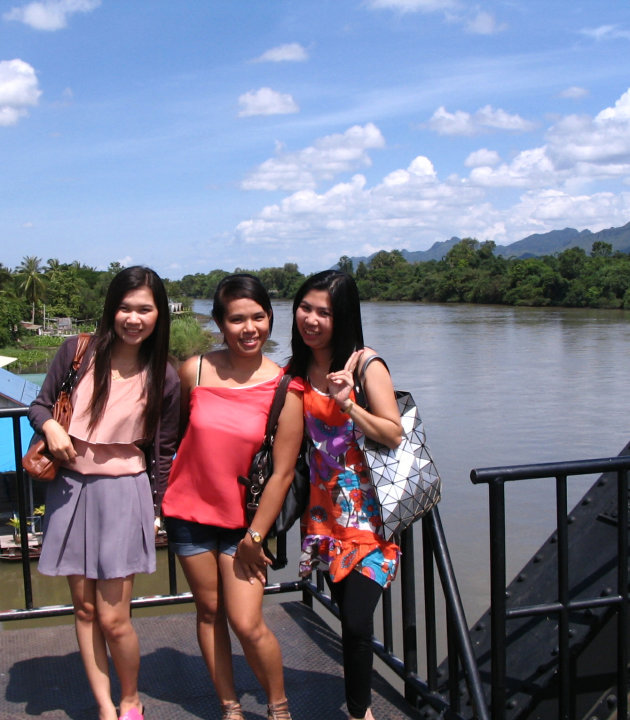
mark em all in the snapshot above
pixel 470 272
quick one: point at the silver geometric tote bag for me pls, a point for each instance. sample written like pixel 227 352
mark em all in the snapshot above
pixel 405 479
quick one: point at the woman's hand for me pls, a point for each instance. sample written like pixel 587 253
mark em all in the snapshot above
pixel 341 382
pixel 58 441
pixel 252 560
pixel 382 421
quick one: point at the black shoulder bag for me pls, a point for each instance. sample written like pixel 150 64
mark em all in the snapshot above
pixel 261 469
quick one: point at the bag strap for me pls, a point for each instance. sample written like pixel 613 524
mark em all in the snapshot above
pixel 359 379
pixel 199 360
pixel 83 340
pixel 276 407
pixel 82 345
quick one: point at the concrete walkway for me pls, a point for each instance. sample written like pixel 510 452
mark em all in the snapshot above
pixel 41 675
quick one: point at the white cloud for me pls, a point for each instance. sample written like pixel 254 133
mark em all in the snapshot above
pixel 50 14
pixel 291 52
pixel 487 118
pixel 498 119
pixel 327 157
pixel 484 23
pixel 482 157
pixel 266 102
pixel 579 150
pixel 408 207
pixel 405 6
pixel 549 209
pixel 539 189
pixel 600 146
pixel 574 93
pixel 446 123
pixel 530 168
pixel 395 213
pixel 606 32
pixel 19 90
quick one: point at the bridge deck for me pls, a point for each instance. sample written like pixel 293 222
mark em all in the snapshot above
pixel 41 674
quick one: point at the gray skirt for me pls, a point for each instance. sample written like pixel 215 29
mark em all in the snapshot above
pixel 99 527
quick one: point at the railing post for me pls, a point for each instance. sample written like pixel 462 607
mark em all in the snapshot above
pixel 20 478
pixel 172 570
pixel 622 590
pixel 386 615
pixel 408 599
pixel 497 596
pixel 562 555
pixel 429 605
pixel 456 613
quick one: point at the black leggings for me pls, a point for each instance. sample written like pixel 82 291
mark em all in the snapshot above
pixel 357 597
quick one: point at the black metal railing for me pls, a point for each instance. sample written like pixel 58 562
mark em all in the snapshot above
pixel 563 603
pixel 419 692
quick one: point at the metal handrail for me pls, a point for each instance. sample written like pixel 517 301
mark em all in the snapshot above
pixel 496 478
pixel 416 689
pixel 435 552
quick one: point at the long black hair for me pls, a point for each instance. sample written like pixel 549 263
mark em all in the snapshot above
pixel 153 352
pixel 347 333
pixel 237 287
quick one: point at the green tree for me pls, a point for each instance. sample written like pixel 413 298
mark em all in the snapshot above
pixel 571 262
pixel 30 282
pixel 6 279
pixel 601 249
pixel 66 293
pixel 11 314
pixel 345 265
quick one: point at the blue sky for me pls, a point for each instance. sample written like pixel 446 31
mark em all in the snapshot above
pixel 196 135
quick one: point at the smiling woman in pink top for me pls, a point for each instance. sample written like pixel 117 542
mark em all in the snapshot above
pixel 100 509
pixel 226 398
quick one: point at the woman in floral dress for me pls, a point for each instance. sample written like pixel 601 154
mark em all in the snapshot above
pixel 341 529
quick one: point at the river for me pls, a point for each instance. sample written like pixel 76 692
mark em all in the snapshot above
pixel 495 386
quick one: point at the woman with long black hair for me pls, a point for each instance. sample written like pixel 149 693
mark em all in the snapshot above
pixel 101 509
pixel 341 525
pixel 226 399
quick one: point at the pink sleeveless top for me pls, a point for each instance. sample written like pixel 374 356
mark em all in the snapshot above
pixel 225 429
pixel 111 447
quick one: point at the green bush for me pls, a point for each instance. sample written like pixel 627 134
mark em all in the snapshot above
pixel 188 337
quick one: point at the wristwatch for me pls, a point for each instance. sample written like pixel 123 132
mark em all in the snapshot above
pixel 255 536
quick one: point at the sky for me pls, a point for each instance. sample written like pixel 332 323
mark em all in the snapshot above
pixel 199 135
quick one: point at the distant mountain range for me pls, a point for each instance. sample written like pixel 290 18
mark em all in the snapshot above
pixel 533 245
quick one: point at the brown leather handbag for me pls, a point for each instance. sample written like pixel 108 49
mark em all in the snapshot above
pixel 38 462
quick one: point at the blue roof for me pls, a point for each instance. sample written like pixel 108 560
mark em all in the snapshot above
pixel 7 453
pixel 18 391
pixel 16 388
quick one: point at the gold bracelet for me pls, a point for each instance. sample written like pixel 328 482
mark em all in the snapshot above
pixel 348 407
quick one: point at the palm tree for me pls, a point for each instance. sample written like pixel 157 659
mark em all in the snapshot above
pixel 52 264
pixel 5 277
pixel 30 281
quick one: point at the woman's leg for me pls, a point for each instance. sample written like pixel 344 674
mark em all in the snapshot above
pixel 357 597
pixel 113 608
pixel 92 643
pixel 243 605
pixel 202 573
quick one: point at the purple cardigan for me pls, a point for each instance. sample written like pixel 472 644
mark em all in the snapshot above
pixel 159 455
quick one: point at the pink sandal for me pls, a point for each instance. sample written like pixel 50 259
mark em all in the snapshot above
pixel 133 714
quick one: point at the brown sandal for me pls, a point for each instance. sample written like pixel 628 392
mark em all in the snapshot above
pixel 279 711
pixel 232 710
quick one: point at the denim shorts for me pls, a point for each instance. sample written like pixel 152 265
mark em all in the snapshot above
pixel 190 538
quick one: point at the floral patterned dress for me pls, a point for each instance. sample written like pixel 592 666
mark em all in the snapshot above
pixel 340 528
